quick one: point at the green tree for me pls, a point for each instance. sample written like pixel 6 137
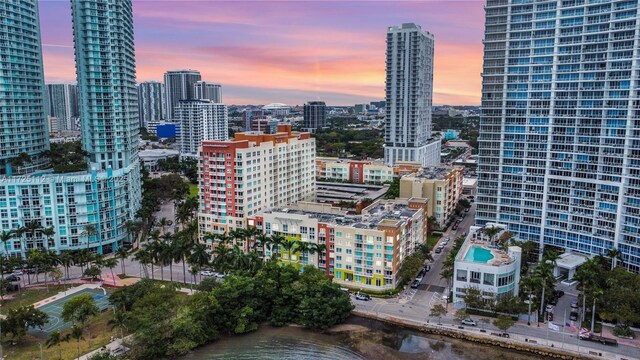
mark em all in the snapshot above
pixel 503 322
pixel 56 339
pixel 111 263
pixel 119 320
pixel 438 311
pixel 461 315
pixel 122 254
pixel 77 335
pixel 410 267
pixel 79 309
pixel 93 272
pixel 19 319
pixel 473 298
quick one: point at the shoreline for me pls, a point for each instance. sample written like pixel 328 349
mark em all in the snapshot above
pixel 477 338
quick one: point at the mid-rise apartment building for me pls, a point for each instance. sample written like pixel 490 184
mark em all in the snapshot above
pixel 442 185
pixel 362 172
pixel 251 173
pixel 200 120
pixel 362 251
pixel 314 116
pixel 559 146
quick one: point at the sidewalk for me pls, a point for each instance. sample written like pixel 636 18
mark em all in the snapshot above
pixel 528 341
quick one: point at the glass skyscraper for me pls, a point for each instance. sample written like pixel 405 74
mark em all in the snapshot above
pixel 559 146
pixel 108 193
pixel 23 127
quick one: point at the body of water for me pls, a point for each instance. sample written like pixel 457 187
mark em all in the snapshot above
pixel 369 339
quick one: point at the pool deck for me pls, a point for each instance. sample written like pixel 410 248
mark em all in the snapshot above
pixel 500 257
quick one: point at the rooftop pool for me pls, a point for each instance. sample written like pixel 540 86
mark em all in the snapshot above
pixel 478 254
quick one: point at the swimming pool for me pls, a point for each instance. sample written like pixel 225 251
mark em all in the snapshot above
pixel 478 254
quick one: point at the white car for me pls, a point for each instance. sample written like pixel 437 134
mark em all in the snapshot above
pixel 549 308
pixel 219 276
pixel 469 322
pixel 207 273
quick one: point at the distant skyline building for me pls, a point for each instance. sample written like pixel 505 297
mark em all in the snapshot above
pixel 409 90
pixel 200 120
pixel 23 129
pixel 250 116
pixel 207 90
pixel 315 116
pixel 559 146
pixel 179 85
pixel 151 102
pixel 62 103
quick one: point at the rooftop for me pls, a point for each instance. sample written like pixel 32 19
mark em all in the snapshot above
pixel 433 173
pixel 484 251
pixel 381 213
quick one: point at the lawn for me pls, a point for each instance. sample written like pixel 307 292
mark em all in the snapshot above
pixel 193 190
pixel 100 331
pixel 432 240
pixel 30 296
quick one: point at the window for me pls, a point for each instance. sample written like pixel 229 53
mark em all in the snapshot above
pixel 488 279
pixel 461 275
pixel 475 277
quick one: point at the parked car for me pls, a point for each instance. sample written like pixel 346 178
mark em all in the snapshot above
pixel 427 268
pixel 573 315
pixel 469 322
pixel 558 293
pixel 553 301
pixel 549 308
pixel 363 297
pixel 574 304
pixel 419 277
pixel 466 210
pixel 219 276
pixel 438 250
pixel 207 273
pixel 12 278
pixel 415 284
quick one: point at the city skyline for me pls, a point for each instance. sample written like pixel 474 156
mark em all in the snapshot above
pixel 336 53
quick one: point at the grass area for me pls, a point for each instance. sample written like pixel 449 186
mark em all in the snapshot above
pixel 193 190
pixel 432 240
pixel 30 296
pixel 97 334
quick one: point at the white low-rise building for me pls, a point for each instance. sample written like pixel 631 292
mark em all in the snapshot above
pixel 482 264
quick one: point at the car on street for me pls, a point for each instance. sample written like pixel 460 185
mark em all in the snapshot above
pixel 549 308
pixel 553 301
pixel 207 273
pixel 363 297
pixel 427 268
pixel 466 210
pixel 12 278
pixel 219 276
pixel 558 293
pixel 415 284
pixel 574 304
pixel 573 316
pixel 420 277
pixel 438 250
pixel 469 322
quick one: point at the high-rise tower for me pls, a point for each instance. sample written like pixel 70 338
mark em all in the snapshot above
pixel 559 146
pixel 151 102
pixel 409 91
pixel 315 116
pixel 23 126
pixel 207 90
pixel 179 85
pixel 62 103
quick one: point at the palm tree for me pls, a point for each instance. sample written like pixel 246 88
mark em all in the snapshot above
pixel 90 230
pixel 163 223
pixel 544 275
pixel 274 244
pixel 132 227
pixel 210 238
pixel 491 232
pixel 66 260
pixel 261 241
pixel 182 250
pixel 251 232
pixel 615 255
pixel 199 255
pixel 122 253
pixel 194 273
pixel 319 249
pixel 287 245
pixel 236 234
pixel 119 320
pixel 76 333
pixel 447 274
pixel 585 275
pixel 529 283
pixel 143 257
pixel 303 248
pixel 191 232
pixel 49 233
pixel 221 259
pixel 597 292
pixel 30 229
pixel 56 339
pixel 5 236
pixel 111 263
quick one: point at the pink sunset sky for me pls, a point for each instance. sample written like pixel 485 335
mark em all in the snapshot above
pixel 286 51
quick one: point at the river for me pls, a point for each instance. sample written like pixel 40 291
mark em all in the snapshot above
pixel 358 339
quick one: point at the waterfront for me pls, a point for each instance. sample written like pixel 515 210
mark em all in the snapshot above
pixel 362 339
